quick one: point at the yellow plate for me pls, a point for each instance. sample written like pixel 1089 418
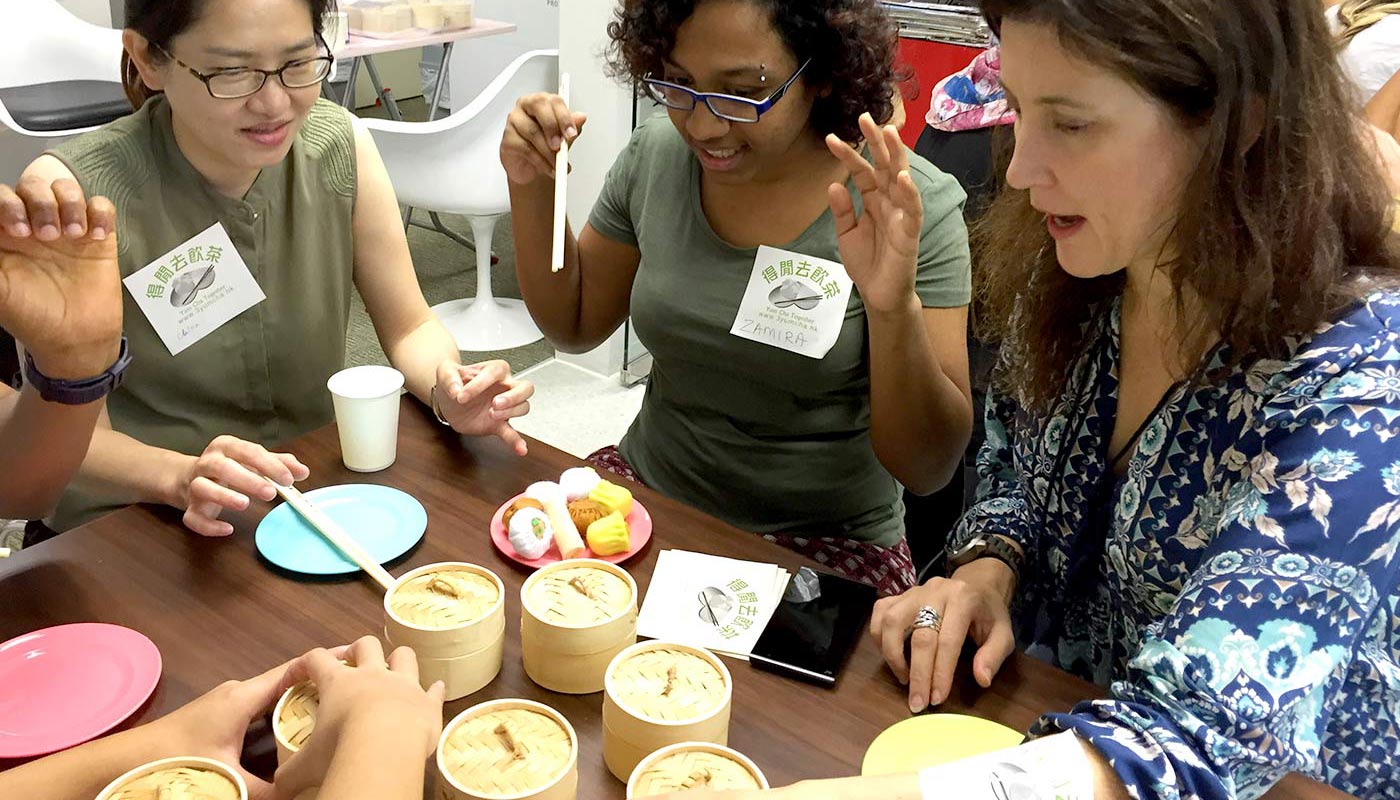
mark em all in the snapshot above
pixel 934 739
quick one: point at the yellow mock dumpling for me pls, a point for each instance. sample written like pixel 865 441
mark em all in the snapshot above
pixel 612 497
pixel 609 535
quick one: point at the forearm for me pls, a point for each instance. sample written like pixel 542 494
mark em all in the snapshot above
pixel 554 298
pixel 82 772
pixel 132 471
pixel 419 353
pixel 371 763
pixel 920 421
pixel 51 439
pixel 1059 766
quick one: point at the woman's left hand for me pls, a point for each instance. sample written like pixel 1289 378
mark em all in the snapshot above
pixel 880 249
pixel 482 399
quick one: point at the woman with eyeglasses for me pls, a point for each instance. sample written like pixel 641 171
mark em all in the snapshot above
pixel 805 304
pixel 247 209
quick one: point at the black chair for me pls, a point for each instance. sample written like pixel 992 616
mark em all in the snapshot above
pixel 65 105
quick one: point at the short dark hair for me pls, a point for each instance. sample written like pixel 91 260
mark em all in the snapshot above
pixel 160 21
pixel 851 43
pixel 1286 208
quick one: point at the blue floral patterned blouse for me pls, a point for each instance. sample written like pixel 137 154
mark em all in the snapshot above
pixel 1237 586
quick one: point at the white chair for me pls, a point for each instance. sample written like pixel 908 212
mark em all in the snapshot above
pixel 41 42
pixel 453 164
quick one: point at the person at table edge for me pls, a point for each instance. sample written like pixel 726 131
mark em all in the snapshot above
pixel 228 132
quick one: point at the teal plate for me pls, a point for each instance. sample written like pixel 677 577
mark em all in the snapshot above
pixel 385 522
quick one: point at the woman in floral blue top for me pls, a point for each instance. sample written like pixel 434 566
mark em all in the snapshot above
pixel 1191 483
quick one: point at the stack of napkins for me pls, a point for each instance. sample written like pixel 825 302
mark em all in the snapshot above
pixel 721 604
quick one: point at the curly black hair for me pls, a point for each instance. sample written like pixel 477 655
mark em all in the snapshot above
pixel 851 43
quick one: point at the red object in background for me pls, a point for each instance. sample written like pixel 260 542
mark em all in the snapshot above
pixel 932 62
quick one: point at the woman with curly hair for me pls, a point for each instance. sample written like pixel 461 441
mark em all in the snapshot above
pixel 806 306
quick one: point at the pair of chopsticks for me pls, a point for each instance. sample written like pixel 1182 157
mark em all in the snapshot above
pixel 561 187
pixel 335 534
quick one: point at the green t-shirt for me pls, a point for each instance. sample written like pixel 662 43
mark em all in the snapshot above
pixel 262 375
pixel 767 440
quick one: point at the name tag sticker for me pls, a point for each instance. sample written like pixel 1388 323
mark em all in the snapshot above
pixel 794 302
pixel 191 291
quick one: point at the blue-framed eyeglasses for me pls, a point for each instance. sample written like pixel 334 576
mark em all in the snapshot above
pixel 724 106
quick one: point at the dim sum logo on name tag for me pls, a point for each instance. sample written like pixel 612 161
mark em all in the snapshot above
pixel 794 302
pixel 191 291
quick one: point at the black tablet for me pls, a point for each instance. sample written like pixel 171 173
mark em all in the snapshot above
pixel 815 627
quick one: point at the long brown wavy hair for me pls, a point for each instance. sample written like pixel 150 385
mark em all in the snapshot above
pixel 1285 209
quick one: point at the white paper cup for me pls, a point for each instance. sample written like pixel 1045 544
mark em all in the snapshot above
pixel 367 414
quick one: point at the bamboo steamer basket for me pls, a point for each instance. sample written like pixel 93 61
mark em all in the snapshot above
pixel 694 765
pixel 576 615
pixel 418 614
pixel 453 616
pixel 508 750
pixel 149 781
pixel 662 693
pixel 620 751
pixel 293 720
pixel 467 674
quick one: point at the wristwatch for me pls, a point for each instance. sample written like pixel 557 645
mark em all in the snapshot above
pixel 997 547
pixel 82 391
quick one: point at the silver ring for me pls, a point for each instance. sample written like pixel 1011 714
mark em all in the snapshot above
pixel 928 617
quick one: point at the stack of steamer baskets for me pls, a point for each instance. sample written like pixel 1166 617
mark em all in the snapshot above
pixel 453 616
pixel 659 694
pixel 575 617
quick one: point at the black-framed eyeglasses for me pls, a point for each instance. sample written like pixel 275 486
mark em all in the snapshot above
pixel 724 106
pixel 231 84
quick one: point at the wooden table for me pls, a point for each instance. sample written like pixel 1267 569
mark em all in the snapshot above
pixel 216 611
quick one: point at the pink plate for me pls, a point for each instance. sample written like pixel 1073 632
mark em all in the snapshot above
pixel 639 521
pixel 71 683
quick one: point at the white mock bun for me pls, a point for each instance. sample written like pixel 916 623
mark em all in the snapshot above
pixel 523 537
pixel 578 482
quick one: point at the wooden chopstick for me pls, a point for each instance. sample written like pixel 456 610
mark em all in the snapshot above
pixel 561 187
pixel 335 534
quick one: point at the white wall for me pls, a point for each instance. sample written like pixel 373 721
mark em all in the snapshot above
pixel 475 62
pixel 98 12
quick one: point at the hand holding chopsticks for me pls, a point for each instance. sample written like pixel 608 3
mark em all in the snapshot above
pixel 539 135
